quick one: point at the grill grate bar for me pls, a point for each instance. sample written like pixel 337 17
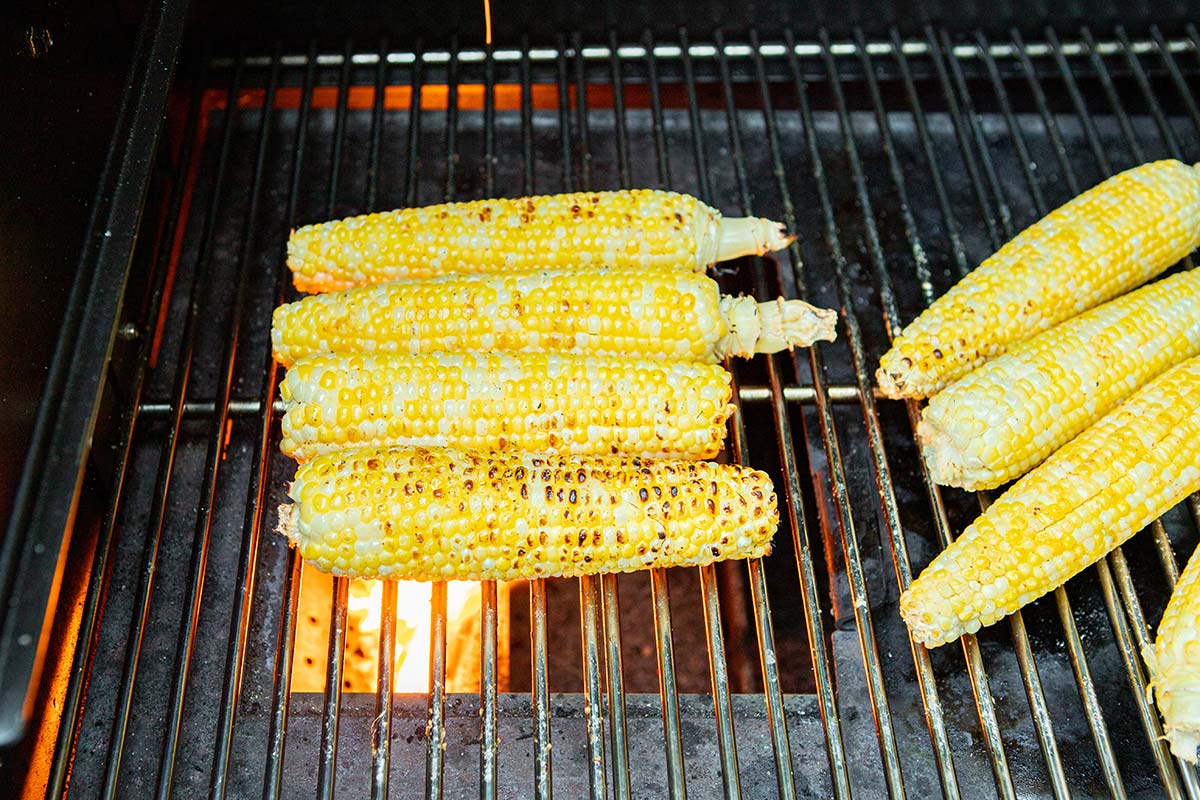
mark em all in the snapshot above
pixel 381 731
pixel 1083 678
pixel 101 574
pixel 335 664
pixel 540 681
pixel 1029 672
pixel 541 691
pixel 935 715
pixel 248 406
pixel 488 740
pixel 279 726
pixel 149 562
pixel 436 707
pixel 660 593
pixel 977 674
pixel 202 535
pixel 718 664
pixel 831 721
pixel 277 732
pixel 855 576
pixel 608 583
pixel 590 615
pixel 336 657
pixel 760 602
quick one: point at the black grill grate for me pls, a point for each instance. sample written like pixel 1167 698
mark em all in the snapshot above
pixel 900 163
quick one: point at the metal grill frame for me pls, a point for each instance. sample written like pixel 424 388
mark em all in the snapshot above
pixel 791 379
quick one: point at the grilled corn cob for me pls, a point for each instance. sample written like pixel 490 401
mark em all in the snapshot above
pixel 1175 664
pixel 997 422
pixel 653 314
pixel 436 514
pixel 638 228
pixel 1115 236
pixel 535 402
pixel 1087 498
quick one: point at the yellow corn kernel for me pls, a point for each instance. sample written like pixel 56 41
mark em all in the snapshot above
pixel 439 514
pixel 647 313
pixel 635 228
pixel 1174 663
pixel 1084 500
pixel 997 422
pixel 1115 236
pixel 535 402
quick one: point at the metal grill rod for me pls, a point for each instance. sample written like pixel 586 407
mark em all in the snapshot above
pixel 760 602
pixel 831 720
pixel 335 660
pixel 202 535
pixel 1078 658
pixel 73 703
pixel 713 627
pixel 836 393
pixel 706 52
pixel 539 646
pixel 286 639
pixel 252 527
pixel 977 676
pixel 608 583
pixel 589 615
pixel 436 705
pixel 381 730
pixel 856 578
pixel 149 562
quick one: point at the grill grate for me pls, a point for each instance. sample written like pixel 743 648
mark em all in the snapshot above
pixel 901 162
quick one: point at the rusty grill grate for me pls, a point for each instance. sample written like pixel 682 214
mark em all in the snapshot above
pixel 900 162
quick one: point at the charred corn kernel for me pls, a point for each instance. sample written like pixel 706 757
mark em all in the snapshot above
pixel 997 422
pixel 1174 663
pixel 437 514
pixel 1115 236
pixel 536 402
pixel 648 313
pixel 1084 500
pixel 637 228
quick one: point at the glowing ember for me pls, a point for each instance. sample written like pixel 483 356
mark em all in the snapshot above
pixel 364 619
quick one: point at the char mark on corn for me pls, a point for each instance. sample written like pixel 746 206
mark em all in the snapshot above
pixel 440 513
pixel 633 228
pixel 1109 239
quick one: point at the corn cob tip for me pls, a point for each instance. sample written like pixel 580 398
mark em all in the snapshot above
pixel 1181 727
pixel 945 461
pixel 750 236
pixel 927 627
pixel 287 522
pixel 770 327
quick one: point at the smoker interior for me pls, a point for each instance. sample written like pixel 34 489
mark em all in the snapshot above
pixel 901 162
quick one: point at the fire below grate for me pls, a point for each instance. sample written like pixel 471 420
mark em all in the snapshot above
pixel 901 163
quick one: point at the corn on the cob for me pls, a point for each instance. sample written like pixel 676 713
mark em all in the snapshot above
pixel 997 422
pixel 637 228
pixel 437 514
pixel 1115 236
pixel 1087 498
pixel 651 313
pixel 1174 663
pixel 536 402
